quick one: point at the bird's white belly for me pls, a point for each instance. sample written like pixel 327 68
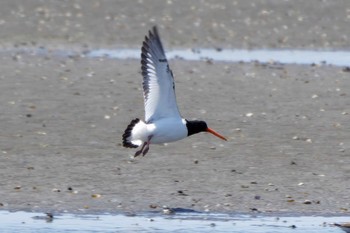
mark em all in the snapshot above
pixel 167 130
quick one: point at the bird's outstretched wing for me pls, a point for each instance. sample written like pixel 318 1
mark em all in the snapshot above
pixel 158 80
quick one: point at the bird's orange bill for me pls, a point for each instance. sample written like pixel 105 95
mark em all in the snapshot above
pixel 209 130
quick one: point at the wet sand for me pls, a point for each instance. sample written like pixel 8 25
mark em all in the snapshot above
pixel 62 117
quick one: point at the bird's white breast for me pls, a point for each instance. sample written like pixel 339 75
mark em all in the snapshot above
pixel 167 130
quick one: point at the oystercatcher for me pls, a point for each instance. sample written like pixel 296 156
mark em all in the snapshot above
pixel 163 122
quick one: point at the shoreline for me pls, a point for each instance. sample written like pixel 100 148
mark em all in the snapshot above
pixel 62 117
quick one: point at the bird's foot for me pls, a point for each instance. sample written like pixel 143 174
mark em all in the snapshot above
pixel 140 151
pixel 145 150
pixel 137 153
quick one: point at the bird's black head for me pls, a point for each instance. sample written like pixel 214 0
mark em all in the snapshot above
pixel 194 127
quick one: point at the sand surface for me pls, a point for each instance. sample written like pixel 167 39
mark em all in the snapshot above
pixel 62 117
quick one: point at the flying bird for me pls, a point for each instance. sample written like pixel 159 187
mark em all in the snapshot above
pixel 163 121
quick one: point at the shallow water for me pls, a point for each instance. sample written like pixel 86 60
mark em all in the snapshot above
pixel 337 58
pixel 302 57
pixel 155 222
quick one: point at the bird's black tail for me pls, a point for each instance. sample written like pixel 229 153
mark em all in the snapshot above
pixel 127 136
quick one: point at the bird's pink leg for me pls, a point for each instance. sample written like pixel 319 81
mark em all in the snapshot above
pixel 144 148
pixel 140 151
pixel 147 146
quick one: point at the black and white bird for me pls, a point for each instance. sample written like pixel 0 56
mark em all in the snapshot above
pixel 163 121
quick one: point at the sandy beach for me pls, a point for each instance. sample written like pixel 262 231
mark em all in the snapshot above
pixel 62 117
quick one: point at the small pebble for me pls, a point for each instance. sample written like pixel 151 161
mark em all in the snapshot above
pixel 168 210
pixel 41 132
pixel 181 193
pixel 96 195
pixel 49 217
